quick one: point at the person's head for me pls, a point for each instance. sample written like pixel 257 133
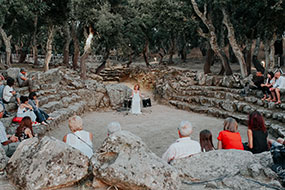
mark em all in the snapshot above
pixel 137 87
pixel 259 73
pixel 256 122
pixel 24 99
pixel 75 123
pixel 185 129
pixel 206 140
pixel 277 74
pixel 10 81
pixel 270 75
pixel 26 122
pixel 1 110
pixel 32 95
pixel 230 124
pixel 113 127
pixel 23 71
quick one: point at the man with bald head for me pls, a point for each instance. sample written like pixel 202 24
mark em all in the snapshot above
pixel 184 146
pixel 279 85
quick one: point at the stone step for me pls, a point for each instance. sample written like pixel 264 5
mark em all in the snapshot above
pixel 52 106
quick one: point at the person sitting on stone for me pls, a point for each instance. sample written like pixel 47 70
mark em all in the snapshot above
pixel 257 134
pixel 267 85
pixel 2 86
pixel 23 80
pixel 184 146
pixel 229 138
pixel 113 128
pixel 42 116
pixel 206 141
pixel 9 142
pixel 25 109
pixel 25 129
pixel 79 138
pixel 278 142
pixel 279 85
pixel 9 94
pixel 258 79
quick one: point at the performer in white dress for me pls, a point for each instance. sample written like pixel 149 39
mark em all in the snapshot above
pixel 136 100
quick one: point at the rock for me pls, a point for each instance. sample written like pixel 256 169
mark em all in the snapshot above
pixel 13 72
pixel 209 80
pixel 236 169
pixel 37 164
pixel 3 159
pixel 126 162
pixel 228 106
pixel 117 93
pixel 201 77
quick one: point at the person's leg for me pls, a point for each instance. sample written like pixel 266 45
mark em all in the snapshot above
pixel 40 117
pixel 45 115
pixel 264 92
pixel 277 91
pixel 273 95
pixel 280 140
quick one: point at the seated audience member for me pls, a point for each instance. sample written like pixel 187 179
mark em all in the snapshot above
pixel 184 146
pixel 25 129
pixel 23 80
pixel 229 138
pixel 2 86
pixel 79 138
pixel 206 141
pixel 268 84
pixel 9 143
pixel 258 79
pixel 41 115
pixel 113 128
pixel 25 109
pixel 278 142
pixel 279 84
pixel 256 133
pixel 9 94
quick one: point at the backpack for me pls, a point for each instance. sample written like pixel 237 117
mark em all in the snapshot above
pixel 278 156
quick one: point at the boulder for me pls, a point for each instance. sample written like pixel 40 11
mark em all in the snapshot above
pixel 117 93
pixel 3 158
pixel 46 163
pixel 126 162
pixel 13 72
pixel 228 169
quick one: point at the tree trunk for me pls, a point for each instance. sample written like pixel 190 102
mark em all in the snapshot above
pixel 87 51
pixel 66 44
pixel 209 60
pixel 255 60
pixel 248 56
pixel 212 37
pixel 23 55
pixel 171 50
pixel 235 47
pixel 130 59
pixel 48 55
pixel 272 51
pixel 35 46
pixel 76 46
pixel 7 42
pixel 145 52
pixel 102 66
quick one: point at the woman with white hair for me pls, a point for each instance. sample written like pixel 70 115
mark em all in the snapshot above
pixel 79 138
pixel 113 128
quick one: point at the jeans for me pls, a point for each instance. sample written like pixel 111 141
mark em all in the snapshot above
pixel 41 115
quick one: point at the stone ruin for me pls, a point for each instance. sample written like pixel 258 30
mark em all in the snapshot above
pixel 123 161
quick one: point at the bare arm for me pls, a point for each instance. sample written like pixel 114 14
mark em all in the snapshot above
pixel 27 106
pixel 29 133
pixel 250 139
pixel 64 139
pixel 91 136
pixel 220 146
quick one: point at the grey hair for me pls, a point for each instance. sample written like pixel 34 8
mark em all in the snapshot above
pixel 230 124
pixel 185 128
pixel 75 123
pixel 1 108
pixel 113 127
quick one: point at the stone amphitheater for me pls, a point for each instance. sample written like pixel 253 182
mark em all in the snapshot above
pixel 124 161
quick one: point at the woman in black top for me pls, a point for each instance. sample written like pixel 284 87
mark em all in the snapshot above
pixel 257 133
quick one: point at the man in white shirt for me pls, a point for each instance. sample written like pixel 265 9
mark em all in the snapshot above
pixel 8 142
pixel 184 146
pixel 279 85
pixel 9 93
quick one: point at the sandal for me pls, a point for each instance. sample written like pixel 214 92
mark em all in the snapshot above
pixel 279 102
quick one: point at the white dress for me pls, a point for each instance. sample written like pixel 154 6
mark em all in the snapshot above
pixel 136 103
pixel 75 142
pixel 26 112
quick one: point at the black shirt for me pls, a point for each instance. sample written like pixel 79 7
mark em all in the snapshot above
pixel 259 142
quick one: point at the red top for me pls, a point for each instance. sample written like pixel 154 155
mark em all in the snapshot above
pixel 230 140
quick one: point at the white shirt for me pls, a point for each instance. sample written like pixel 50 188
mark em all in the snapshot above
pixel 3 134
pixel 7 93
pixel 75 142
pixel 280 82
pixel 183 147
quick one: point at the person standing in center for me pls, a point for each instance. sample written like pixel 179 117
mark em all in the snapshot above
pixel 136 100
